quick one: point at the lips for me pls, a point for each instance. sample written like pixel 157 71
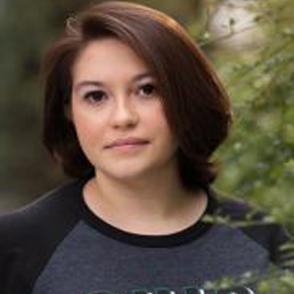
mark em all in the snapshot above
pixel 127 141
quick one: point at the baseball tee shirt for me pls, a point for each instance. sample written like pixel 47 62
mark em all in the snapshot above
pixel 57 245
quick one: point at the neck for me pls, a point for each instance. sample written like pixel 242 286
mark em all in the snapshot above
pixel 158 199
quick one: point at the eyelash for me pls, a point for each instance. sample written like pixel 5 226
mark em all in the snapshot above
pixel 91 94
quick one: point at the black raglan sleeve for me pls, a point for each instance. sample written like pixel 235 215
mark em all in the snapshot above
pixel 29 236
pixel 273 237
pixel 13 249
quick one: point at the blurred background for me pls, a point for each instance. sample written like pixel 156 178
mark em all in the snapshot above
pixel 251 44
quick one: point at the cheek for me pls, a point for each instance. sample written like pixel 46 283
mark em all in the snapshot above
pixel 86 127
pixel 160 124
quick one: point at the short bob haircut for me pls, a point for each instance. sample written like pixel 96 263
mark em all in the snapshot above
pixel 196 104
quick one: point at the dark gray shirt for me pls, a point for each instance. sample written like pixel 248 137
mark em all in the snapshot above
pixel 56 245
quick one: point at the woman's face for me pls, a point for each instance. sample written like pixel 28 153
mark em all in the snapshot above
pixel 114 96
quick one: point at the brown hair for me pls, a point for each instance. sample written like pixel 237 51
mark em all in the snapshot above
pixel 196 105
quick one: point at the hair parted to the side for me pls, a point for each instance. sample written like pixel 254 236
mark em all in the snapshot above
pixel 196 104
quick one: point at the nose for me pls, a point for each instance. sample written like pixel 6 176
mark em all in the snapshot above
pixel 124 114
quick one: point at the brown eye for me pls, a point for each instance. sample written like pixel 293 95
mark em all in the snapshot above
pixel 95 96
pixel 147 89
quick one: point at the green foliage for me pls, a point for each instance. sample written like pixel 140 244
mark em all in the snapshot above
pixel 258 156
pixel 257 159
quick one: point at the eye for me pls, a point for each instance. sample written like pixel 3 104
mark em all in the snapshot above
pixel 95 96
pixel 147 89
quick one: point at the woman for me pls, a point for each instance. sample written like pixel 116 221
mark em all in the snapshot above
pixel 133 112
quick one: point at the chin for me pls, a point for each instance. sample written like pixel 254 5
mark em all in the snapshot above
pixel 126 173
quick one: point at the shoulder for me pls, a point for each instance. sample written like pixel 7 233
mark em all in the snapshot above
pixel 57 205
pixel 255 223
pixel 29 236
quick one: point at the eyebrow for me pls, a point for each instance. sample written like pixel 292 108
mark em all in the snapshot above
pixel 99 83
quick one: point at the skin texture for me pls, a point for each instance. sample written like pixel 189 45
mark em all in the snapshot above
pixel 109 103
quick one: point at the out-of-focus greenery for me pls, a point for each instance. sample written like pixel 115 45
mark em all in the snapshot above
pixel 258 163
pixel 257 159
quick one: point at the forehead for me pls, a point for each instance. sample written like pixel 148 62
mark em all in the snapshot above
pixel 107 56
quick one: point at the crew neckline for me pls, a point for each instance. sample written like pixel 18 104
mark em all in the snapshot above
pixel 189 234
